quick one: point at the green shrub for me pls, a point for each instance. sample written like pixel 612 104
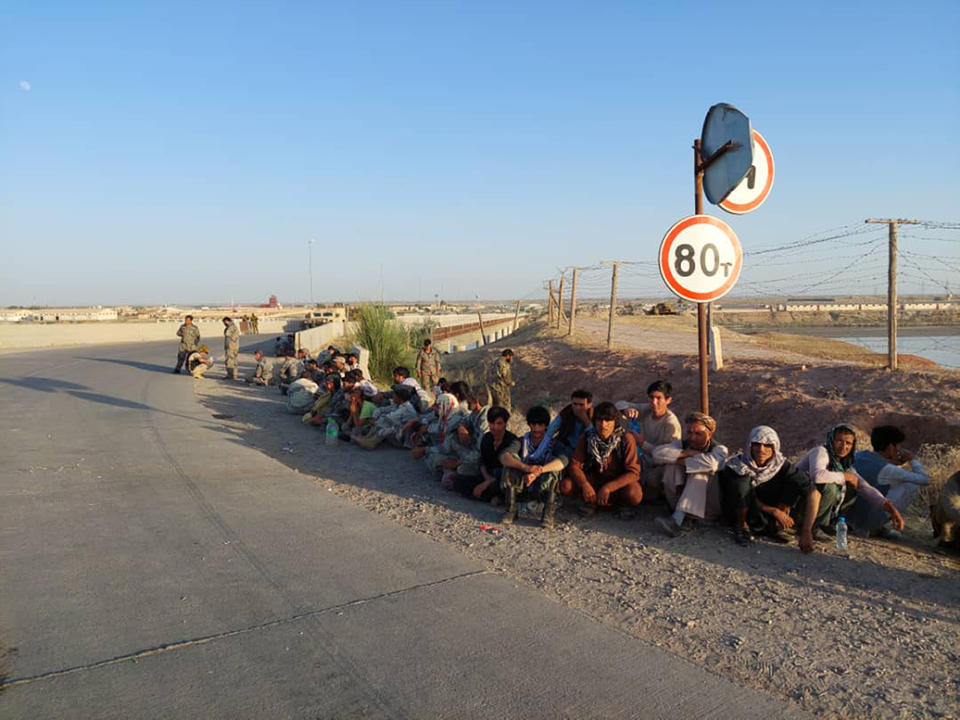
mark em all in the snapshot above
pixel 386 339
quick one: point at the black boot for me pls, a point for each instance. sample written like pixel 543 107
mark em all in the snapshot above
pixel 510 500
pixel 549 508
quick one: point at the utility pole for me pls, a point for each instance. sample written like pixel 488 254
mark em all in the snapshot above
pixel 573 303
pixel 516 316
pixel 892 285
pixel 613 300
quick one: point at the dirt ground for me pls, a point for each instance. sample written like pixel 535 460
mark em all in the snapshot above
pixel 875 633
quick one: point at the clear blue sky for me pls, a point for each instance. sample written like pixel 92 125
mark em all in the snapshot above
pixel 180 152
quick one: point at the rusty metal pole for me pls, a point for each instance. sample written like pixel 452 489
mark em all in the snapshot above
pixel 560 302
pixel 573 304
pixel 701 307
pixel 516 316
pixel 550 306
pixel 613 303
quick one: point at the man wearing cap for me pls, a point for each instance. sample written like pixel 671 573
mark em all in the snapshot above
pixel 189 335
pixel 198 362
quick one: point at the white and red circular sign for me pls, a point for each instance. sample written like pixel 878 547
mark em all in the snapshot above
pixel 750 193
pixel 700 258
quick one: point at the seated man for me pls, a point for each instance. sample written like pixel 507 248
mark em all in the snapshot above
pixel 444 455
pixel 322 406
pixel 388 421
pixel 945 514
pixel 370 391
pixel 287 371
pixel 604 470
pixel 653 424
pixel 433 428
pixel 886 469
pixel 463 444
pixel 361 414
pixel 487 486
pixel 570 423
pixel 302 394
pixel 759 488
pixel 530 469
pixel 199 361
pixel 690 478
pixel 311 367
pixel 263 372
pixel 837 484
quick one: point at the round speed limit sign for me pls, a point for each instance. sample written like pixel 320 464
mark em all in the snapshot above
pixel 700 258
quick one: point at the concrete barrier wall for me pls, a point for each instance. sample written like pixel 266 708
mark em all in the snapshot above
pixel 320 337
pixel 25 336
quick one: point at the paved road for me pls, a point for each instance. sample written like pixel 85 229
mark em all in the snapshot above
pixel 153 567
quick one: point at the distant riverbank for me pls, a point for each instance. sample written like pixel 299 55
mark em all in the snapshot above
pixel 941 344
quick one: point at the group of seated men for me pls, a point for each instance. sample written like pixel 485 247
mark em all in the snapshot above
pixel 609 455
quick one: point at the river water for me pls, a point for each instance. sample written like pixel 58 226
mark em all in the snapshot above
pixel 940 344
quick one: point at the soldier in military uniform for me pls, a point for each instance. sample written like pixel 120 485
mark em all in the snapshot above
pixel 428 366
pixel 189 335
pixel 231 347
pixel 501 380
pixel 263 373
pixel 198 362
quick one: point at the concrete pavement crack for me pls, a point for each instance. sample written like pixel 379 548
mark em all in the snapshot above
pixel 204 639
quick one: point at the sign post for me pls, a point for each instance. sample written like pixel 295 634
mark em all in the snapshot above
pixel 700 257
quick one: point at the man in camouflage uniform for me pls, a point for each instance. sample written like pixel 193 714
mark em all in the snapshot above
pixel 189 335
pixel 231 347
pixel 501 380
pixel 428 366
pixel 254 323
pixel 263 373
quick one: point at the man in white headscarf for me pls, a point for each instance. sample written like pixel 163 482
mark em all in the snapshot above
pixel 759 488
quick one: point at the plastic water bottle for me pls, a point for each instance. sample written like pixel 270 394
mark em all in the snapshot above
pixel 842 534
pixel 332 431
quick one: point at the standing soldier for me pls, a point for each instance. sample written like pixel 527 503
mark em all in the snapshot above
pixel 428 366
pixel 189 335
pixel 255 323
pixel 231 347
pixel 501 380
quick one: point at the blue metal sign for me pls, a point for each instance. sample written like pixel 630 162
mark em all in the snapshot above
pixel 726 150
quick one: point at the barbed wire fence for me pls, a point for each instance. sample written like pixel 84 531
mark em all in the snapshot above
pixel 841 262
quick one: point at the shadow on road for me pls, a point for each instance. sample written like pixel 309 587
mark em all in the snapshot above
pixel 132 363
pixel 43 384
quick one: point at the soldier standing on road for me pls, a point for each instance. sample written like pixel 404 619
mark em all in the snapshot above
pixel 189 335
pixel 231 347
pixel 501 380
pixel 428 366
pixel 255 323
